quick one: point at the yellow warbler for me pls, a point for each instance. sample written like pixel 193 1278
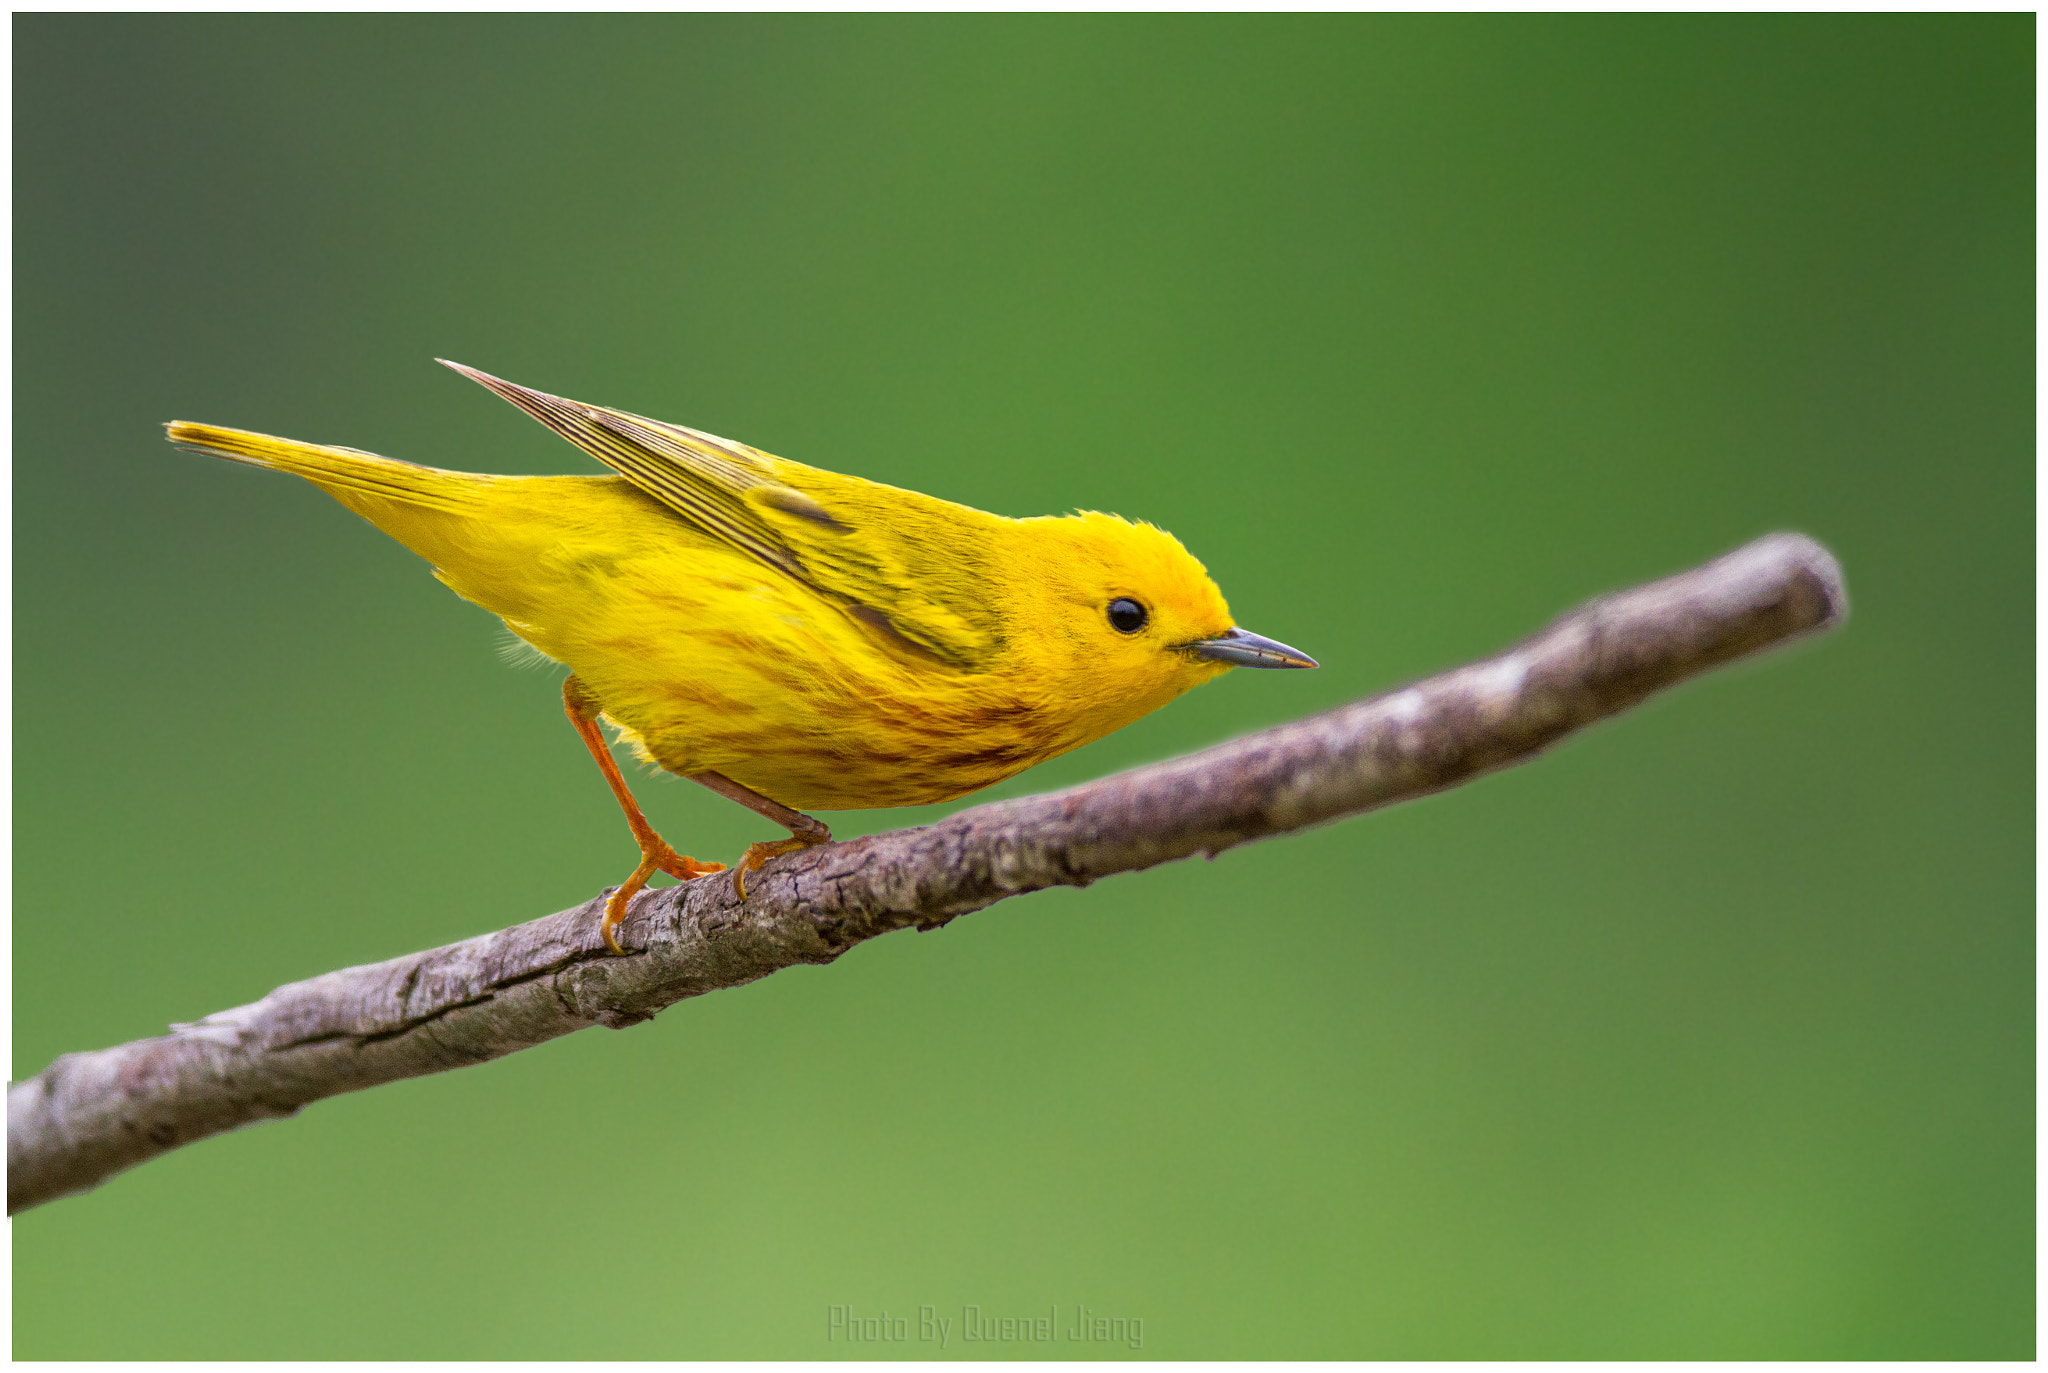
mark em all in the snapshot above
pixel 791 637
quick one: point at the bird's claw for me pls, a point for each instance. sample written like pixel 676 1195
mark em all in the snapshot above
pixel 684 868
pixel 757 854
pixel 654 857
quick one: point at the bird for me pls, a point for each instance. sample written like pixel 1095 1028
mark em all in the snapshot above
pixel 794 639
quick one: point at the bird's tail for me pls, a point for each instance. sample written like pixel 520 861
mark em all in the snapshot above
pixel 445 517
pixel 344 473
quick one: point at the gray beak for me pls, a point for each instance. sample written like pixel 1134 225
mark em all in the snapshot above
pixel 1246 649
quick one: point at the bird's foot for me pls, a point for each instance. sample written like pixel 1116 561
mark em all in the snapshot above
pixel 684 868
pixel 655 856
pixel 757 854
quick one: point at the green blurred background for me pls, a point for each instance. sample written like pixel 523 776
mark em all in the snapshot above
pixel 1710 1034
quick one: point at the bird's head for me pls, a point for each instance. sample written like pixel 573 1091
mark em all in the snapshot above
pixel 1124 619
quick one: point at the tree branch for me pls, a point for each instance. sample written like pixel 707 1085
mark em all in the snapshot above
pixel 90 1115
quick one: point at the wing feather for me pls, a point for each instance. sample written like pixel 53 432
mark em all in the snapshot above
pixel 731 492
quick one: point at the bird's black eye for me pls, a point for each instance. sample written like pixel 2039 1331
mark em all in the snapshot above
pixel 1126 615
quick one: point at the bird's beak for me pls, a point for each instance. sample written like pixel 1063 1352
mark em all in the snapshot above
pixel 1246 649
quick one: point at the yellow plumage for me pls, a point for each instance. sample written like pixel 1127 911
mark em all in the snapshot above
pixel 823 641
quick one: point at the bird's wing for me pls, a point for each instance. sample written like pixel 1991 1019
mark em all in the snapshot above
pixel 732 492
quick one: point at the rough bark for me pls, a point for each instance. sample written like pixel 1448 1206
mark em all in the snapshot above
pixel 90 1115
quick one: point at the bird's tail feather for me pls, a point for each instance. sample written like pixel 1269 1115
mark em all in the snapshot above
pixel 340 472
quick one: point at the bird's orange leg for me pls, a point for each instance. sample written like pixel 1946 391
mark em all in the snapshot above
pixel 655 854
pixel 804 831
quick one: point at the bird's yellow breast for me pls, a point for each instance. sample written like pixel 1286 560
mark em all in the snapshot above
pixel 712 662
